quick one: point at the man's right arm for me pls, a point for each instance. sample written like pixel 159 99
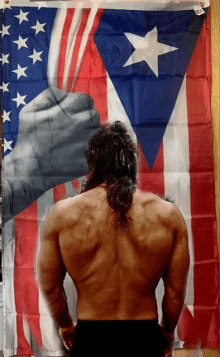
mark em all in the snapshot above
pixel 175 275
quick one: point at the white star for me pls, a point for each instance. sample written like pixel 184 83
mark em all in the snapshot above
pixel 5 87
pixel 147 49
pixel 6 6
pixel 21 42
pixel 7 145
pixel 38 27
pixel 5 30
pixel 41 4
pixel 4 58
pixel 22 16
pixel 5 116
pixel 20 71
pixel 20 99
pixel 36 56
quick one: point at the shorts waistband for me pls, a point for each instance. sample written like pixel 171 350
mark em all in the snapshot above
pixel 100 322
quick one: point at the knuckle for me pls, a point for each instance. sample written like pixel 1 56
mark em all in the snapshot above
pixel 85 100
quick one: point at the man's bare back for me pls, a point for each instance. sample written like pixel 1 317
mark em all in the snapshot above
pixel 115 275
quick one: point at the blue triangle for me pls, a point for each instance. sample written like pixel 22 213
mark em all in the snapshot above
pixel 147 99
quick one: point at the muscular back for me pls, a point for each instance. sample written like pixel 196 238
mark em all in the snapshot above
pixel 116 275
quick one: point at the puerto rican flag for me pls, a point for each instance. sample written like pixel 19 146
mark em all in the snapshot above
pixel 149 66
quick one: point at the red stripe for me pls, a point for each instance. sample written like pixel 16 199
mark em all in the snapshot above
pixel 92 68
pixel 25 287
pixel 76 47
pixel 59 192
pixel 188 329
pixel 64 39
pixel 206 273
pixel 151 180
pixel 76 185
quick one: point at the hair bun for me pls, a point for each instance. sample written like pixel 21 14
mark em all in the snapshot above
pixel 118 127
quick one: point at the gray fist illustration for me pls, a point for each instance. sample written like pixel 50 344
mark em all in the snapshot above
pixel 54 129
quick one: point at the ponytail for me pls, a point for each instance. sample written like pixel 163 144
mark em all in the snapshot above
pixel 111 158
pixel 120 198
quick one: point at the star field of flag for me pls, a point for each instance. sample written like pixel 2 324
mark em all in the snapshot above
pixel 25 36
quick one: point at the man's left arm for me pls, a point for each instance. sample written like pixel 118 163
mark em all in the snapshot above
pixel 51 271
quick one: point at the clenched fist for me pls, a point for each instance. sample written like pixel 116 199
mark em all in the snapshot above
pixel 54 130
pixel 67 334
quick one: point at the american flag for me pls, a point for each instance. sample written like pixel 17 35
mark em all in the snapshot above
pixel 147 65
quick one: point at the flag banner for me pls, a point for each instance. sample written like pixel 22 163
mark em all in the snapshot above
pixel 65 68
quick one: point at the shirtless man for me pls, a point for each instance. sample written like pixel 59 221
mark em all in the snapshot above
pixel 115 242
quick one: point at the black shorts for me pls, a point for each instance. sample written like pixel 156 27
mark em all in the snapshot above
pixel 118 338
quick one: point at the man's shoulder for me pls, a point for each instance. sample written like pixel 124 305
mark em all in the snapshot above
pixel 163 207
pixel 156 198
pixel 64 208
pixel 170 212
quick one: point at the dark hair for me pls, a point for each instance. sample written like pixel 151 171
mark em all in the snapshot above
pixel 111 157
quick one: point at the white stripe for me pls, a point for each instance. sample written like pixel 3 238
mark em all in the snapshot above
pixel 81 180
pixel 26 330
pixel 71 295
pixel 9 312
pixel 74 25
pixel 159 297
pixel 148 5
pixel 70 192
pixel 71 43
pixel 54 50
pixel 84 40
pixel 116 110
pixel 176 173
